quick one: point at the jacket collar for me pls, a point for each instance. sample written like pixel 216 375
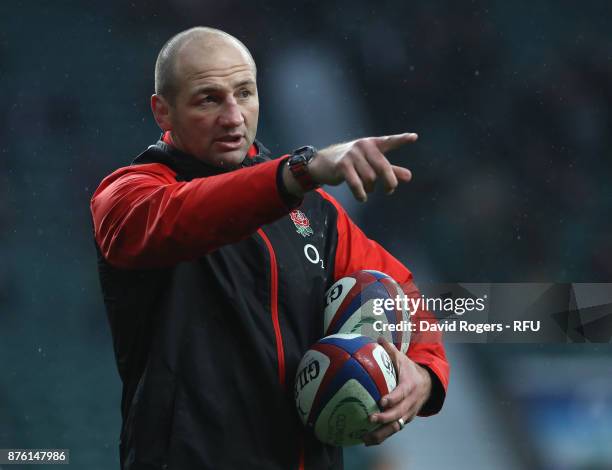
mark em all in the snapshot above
pixel 188 167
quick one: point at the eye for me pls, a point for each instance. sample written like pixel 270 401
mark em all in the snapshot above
pixel 208 99
pixel 244 93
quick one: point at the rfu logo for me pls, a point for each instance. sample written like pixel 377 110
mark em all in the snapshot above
pixel 301 222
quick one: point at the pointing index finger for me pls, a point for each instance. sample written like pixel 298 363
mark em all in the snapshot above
pixel 390 142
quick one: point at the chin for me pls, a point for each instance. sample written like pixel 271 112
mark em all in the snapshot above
pixel 231 159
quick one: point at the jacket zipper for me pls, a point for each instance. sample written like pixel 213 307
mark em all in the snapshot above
pixel 280 352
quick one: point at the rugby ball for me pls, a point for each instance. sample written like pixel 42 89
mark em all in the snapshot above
pixel 339 383
pixel 355 304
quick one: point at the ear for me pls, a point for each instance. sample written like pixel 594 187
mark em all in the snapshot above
pixel 161 112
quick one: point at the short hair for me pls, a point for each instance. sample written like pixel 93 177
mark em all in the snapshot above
pixel 165 77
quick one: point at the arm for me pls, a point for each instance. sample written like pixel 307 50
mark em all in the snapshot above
pixel 359 163
pixel 144 218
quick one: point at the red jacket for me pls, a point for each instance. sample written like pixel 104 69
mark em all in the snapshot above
pixel 213 300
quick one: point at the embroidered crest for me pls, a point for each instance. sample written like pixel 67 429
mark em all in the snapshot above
pixel 301 222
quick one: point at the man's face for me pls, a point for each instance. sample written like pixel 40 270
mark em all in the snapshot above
pixel 214 115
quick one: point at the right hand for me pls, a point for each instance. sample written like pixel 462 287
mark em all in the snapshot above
pixel 360 163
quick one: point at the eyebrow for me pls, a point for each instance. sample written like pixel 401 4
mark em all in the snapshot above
pixel 248 81
pixel 203 90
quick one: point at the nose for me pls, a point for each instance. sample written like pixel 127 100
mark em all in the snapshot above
pixel 231 114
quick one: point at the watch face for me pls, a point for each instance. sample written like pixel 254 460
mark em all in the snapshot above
pixel 298 165
pixel 306 153
pixel 298 158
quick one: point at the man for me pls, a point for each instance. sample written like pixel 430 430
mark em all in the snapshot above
pixel 213 285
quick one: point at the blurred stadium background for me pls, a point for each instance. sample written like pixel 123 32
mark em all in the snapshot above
pixel 513 104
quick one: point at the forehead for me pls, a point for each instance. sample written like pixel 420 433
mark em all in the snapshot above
pixel 213 62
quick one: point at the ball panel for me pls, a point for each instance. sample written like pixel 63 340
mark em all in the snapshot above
pixel 358 323
pixel 376 274
pixel 334 313
pixel 344 419
pixel 350 370
pixel 399 315
pixel 385 367
pixel 377 362
pixel 349 342
pixel 337 357
pixel 360 298
pixel 335 295
pixel 311 370
pixel 396 315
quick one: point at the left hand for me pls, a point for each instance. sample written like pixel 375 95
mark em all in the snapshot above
pixel 405 401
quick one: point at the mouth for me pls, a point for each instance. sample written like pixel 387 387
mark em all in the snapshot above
pixel 229 141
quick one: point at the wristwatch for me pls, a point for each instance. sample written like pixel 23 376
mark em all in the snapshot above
pixel 298 165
